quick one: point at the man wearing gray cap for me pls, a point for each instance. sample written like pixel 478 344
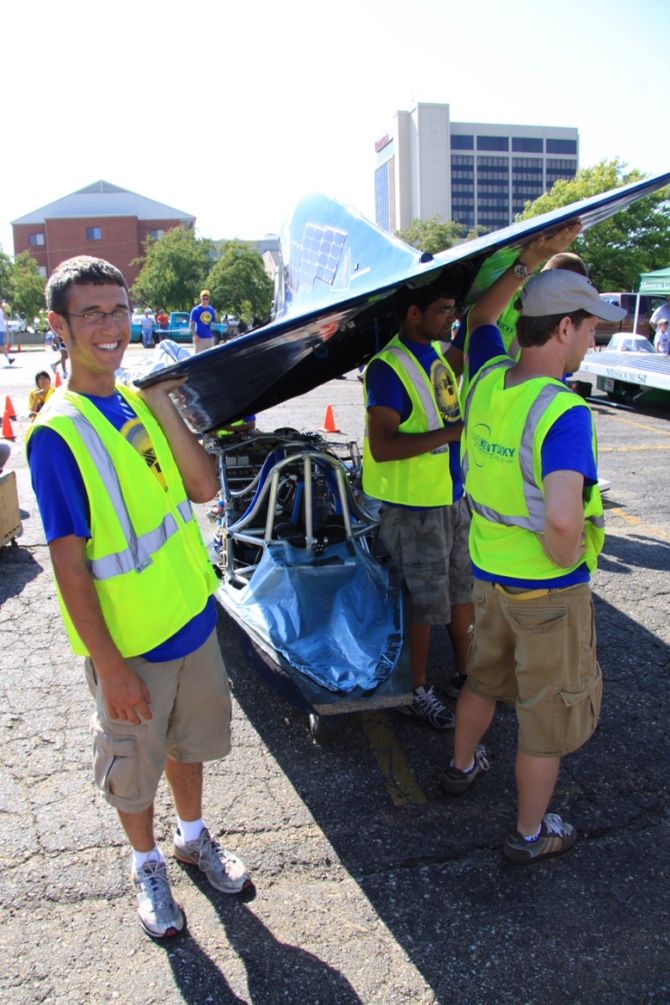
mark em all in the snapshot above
pixel 535 536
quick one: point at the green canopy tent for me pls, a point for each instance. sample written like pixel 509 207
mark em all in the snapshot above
pixel 657 283
pixel 653 284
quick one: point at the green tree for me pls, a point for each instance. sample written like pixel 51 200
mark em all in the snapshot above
pixel 620 248
pixel 5 276
pixel 173 270
pixel 239 284
pixel 435 235
pixel 27 287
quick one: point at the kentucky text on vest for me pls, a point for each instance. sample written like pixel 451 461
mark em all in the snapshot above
pixel 497 450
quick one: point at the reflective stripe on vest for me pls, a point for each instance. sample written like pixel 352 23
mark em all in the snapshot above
pixel 138 552
pixel 418 378
pixel 533 496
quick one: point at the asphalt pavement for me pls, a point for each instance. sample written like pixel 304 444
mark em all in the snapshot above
pixel 372 887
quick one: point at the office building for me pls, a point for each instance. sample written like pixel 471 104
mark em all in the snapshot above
pixel 478 174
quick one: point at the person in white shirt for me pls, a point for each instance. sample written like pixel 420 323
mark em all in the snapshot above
pixel 661 313
pixel 662 337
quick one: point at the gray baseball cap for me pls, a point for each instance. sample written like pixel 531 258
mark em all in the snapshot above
pixel 558 291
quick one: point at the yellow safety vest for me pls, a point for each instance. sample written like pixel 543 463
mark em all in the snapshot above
pixel 145 554
pixel 424 480
pixel 502 462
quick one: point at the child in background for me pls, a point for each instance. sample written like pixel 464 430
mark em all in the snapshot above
pixel 40 393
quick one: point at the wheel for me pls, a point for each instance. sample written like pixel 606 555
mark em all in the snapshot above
pixel 324 729
pixel 314 725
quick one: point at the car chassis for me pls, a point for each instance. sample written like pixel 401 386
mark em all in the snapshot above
pixel 296 550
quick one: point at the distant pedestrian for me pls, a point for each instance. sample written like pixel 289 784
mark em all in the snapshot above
pixel 5 339
pixel 661 313
pixel 662 337
pixel 163 322
pixel 200 322
pixel 147 325
pixel 59 344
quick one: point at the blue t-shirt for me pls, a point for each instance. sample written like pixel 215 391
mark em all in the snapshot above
pixel 384 387
pixel 204 318
pixel 63 503
pixel 566 447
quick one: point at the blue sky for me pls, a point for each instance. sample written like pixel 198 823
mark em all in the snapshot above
pixel 232 112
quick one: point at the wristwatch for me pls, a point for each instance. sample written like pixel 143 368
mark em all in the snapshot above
pixel 521 271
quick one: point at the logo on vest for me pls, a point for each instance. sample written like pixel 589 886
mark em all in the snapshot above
pixel 486 449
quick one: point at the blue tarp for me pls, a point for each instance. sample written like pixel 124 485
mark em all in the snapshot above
pixel 334 618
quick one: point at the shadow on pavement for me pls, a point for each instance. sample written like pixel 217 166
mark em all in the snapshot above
pixel 478 931
pixel 17 569
pixel 276 971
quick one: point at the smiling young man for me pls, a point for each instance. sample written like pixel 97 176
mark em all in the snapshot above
pixel 411 461
pixel 115 473
pixel 537 529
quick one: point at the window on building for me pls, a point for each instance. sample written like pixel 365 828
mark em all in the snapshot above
pixel 492 143
pixel 383 196
pixel 558 168
pixel 42 271
pixel 156 235
pixel 462 142
pixel 94 233
pixel 36 240
pixel 527 144
pixel 561 146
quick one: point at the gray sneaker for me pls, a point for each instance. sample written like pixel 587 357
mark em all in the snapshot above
pixel 428 707
pixel 456 782
pixel 556 838
pixel 224 871
pixel 159 914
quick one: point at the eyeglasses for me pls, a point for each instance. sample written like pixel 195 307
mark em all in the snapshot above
pixel 119 315
pixel 446 312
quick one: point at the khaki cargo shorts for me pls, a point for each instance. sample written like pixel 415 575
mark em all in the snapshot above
pixel 536 650
pixel 429 547
pixel 190 702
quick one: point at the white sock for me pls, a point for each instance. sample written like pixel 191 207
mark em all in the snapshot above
pixel 140 857
pixel 529 838
pixel 466 771
pixel 190 830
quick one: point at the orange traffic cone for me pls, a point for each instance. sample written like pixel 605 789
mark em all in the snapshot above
pixel 58 381
pixel 7 431
pixel 329 422
pixel 9 408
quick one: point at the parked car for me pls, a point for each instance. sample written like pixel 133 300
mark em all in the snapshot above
pixel 623 342
pixel 605 329
pixel 16 325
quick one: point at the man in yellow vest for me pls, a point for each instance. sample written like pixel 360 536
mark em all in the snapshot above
pixel 537 528
pixel 114 473
pixel 411 461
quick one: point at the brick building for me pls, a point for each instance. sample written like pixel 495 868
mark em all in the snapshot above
pixel 101 220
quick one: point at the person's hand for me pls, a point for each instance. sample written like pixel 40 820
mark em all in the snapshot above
pixel 546 245
pixel 125 694
pixel 157 395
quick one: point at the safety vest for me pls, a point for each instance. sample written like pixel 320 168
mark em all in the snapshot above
pixel 424 480
pixel 502 464
pixel 145 554
pixel 222 433
pixel 491 269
